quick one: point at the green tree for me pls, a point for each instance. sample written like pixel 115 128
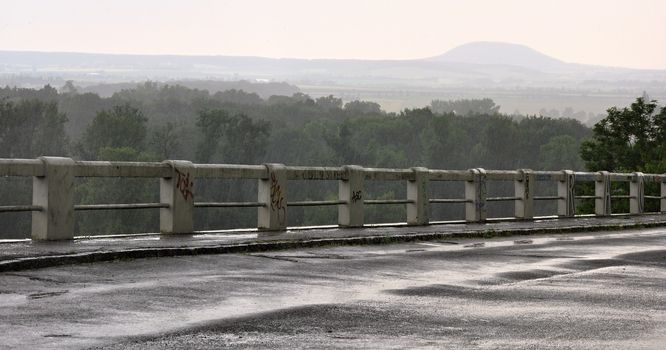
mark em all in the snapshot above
pixel 81 109
pixel 628 139
pixel 231 139
pixel 31 128
pixel 165 140
pixel 121 127
pixel 559 153
pixel 329 102
pixel 356 108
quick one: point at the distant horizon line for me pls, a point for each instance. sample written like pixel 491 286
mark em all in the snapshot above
pixel 210 55
pixel 313 59
pixel 259 56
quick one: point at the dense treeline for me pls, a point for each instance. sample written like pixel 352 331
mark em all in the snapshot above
pixel 156 122
pixel 630 139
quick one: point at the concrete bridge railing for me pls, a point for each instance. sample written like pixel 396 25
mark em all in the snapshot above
pixel 53 206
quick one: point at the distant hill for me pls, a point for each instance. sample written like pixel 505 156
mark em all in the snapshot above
pixel 476 65
pixel 497 53
pixel 516 77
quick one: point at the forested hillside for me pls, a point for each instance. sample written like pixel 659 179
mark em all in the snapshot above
pixel 155 122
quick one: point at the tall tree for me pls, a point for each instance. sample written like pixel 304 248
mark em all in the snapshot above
pixel 629 139
pixel 165 140
pixel 121 127
pixel 31 128
pixel 231 139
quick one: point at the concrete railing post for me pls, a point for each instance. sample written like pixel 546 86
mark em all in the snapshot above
pixel 418 212
pixel 662 202
pixel 54 192
pixel 350 191
pixel 602 192
pixel 178 192
pixel 524 189
pixel 566 190
pixel 637 194
pixel 272 192
pixel 475 194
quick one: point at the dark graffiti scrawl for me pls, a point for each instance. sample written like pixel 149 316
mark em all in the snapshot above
pixel 184 184
pixel 356 196
pixel 277 199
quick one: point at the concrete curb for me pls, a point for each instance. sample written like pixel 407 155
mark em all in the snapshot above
pixel 37 262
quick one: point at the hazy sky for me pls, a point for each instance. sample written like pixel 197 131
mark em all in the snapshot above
pixel 629 33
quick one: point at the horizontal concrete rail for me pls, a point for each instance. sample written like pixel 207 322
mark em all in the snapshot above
pixel 549 175
pixel 121 169
pixel 21 167
pixel 450 175
pixel 315 173
pixel 228 204
pixel 53 186
pixel 547 198
pixel 19 208
pixel 230 171
pixel 502 175
pixel 120 206
pixel 584 176
pixel 378 174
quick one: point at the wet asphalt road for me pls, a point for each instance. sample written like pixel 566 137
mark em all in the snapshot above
pixel 588 291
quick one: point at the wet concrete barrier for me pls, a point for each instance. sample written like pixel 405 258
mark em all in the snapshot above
pixel 53 206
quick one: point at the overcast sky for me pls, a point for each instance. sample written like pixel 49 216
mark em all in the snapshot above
pixel 628 33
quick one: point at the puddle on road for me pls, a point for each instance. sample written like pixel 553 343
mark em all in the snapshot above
pixel 47 294
pixel 523 241
pixel 12 299
pixel 445 246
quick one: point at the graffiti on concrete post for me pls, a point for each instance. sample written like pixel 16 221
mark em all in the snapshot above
pixel 356 196
pixel 481 194
pixel 184 184
pixel 277 199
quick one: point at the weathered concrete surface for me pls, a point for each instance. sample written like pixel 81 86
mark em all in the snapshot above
pixel 578 291
pixel 28 255
pixel 54 192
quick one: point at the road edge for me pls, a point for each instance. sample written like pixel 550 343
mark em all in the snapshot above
pixel 45 261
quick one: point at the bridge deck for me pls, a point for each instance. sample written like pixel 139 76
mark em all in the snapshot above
pixel 572 291
pixel 21 255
